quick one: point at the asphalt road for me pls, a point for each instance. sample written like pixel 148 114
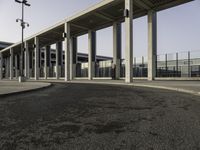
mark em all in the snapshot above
pixel 100 117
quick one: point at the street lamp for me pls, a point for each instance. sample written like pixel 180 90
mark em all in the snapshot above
pixel 23 25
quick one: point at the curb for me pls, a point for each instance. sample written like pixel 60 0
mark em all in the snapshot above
pixel 143 85
pixel 170 88
pixel 26 91
pixel 133 84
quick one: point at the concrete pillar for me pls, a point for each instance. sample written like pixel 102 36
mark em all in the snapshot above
pixel 129 41
pixel 11 64
pixel 27 65
pixel 36 50
pixel 45 63
pixel 7 67
pixel 73 57
pixel 67 51
pixel 16 66
pixel 152 44
pixel 91 54
pixel 47 59
pixel 30 63
pixel 117 48
pixel 58 59
pixel 39 61
pixel 1 66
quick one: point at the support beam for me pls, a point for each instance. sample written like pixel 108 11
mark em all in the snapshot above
pixel 73 57
pixel 1 66
pixel 47 61
pixel 152 44
pixel 27 65
pixel 36 50
pixel 149 3
pixel 79 26
pixel 129 41
pixel 103 16
pixel 91 54
pixel 11 64
pixel 58 59
pixel 67 52
pixel 117 48
pixel 142 4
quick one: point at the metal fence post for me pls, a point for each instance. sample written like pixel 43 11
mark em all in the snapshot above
pixel 142 74
pixel 134 68
pixel 177 72
pixel 166 70
pixel 189 69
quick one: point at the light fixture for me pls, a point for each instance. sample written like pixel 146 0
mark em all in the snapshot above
pixel 126 13
pixel 64 35
pixel 34 46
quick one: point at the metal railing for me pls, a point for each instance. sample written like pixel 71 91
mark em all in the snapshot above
pixel 184 64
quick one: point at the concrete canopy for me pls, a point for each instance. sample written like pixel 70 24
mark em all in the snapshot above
pixel 99 16
pixel 105 13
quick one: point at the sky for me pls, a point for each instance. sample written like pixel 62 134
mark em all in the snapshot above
pixel 178 27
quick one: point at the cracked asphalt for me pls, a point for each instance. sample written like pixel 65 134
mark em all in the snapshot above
pixel 100 117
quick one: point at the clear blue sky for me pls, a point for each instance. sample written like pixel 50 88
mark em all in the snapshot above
pixel 178 27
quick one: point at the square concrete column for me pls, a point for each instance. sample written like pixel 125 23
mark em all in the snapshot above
pixel 91 54
pixel 40 62
pixel 16 66
pixel 73 57
pixel 47 59
pixel 128 41
pixel 117 48
pixel 152 44
pixel 1 66
pixel 36 50
pixel 67 51
pixel 6 62
pixel 11 64
pixel 58 59
pixel 31 62
pixel 27 65
pixel 7 68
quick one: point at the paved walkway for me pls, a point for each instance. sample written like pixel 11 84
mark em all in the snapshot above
pixel 8 87
pixel 192 87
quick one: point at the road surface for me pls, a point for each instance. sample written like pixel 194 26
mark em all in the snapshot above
pixel 100 117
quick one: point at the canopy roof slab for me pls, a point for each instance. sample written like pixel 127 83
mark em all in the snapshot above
pixel 105 13
pixel 99 16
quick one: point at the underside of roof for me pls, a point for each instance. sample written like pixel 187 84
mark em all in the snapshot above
pixel 99 16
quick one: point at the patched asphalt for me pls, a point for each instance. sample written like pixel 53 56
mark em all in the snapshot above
pixel 100 117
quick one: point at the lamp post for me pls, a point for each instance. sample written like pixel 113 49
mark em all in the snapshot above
pixel 23 25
